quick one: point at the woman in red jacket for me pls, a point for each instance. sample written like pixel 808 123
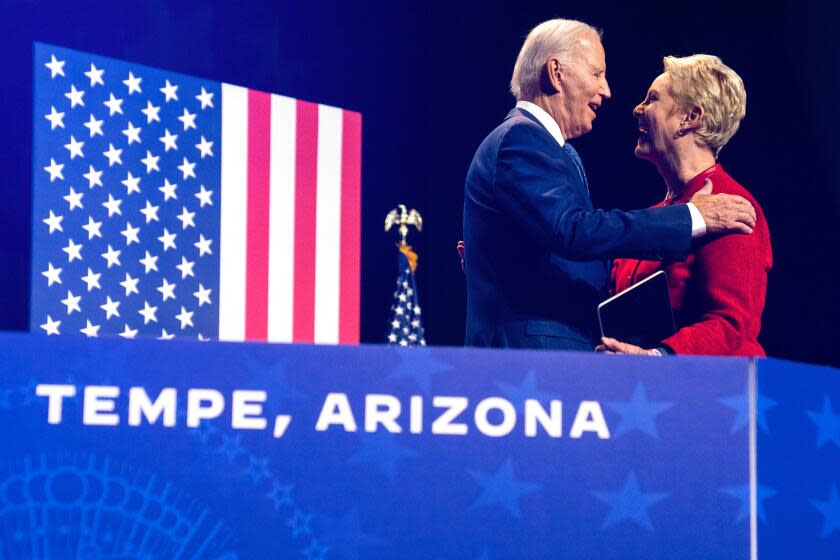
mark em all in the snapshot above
pixel 717 294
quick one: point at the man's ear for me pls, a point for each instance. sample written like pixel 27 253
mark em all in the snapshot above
pixel 552 77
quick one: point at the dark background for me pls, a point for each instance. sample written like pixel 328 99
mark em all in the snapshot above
pixel 431 81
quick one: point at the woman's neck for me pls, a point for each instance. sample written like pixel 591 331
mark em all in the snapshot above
pixel 681 165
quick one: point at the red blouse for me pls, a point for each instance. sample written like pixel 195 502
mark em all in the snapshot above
pixel 718 292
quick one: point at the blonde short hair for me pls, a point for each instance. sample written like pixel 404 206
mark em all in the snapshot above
pixel 555 38
pixel 704 80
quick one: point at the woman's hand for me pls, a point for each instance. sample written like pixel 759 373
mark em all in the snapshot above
pixel 612 346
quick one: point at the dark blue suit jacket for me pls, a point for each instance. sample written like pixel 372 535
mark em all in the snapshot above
pixel 537 251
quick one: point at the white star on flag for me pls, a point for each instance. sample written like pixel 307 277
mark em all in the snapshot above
pixel 168 190
pixel 187 169
pixel 57 67
pixel 57 119
pixel 131 183
pixel 74 199
pixel 75 148
pixel 55 170
pixel 72 302
pixel 149 262
pixel 53 275
pixel 73 250
pixel 93 176
pixel 205 147
pixel 51 327
pixel 114 105
pixel 111 308
pixel 151 162
pixel 167 290
pixel 94 126
pixel 131 234
pixel 128 332
pixel 169 140
pixel 206 99
pixel 92 280
pixel 130 285
pixel 185 317
pixel 188 119
pixel 148 312
pixel 95 75
pixel 113 155
pixel 152 113
pixel 170 91
pixel 113 205
pixel 203 246
pixel 54 222
pixel 133 83
pixel 90 329
pixel 111 256
pixel 132 133
pixel 93 228
pixel 75 96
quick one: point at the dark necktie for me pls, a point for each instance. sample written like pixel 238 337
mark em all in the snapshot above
pixel 579 164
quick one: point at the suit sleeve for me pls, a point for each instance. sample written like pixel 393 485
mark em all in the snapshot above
pixel 538 186
pixel 731 276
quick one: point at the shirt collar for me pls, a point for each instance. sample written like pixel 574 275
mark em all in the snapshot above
pixel 545 119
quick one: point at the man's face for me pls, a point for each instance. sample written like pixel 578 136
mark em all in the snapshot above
pixel 583 86
pixel 659 120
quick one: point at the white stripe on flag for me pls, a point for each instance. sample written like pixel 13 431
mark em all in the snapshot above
pixel 328 225
pixel 281 241
pixel 234 213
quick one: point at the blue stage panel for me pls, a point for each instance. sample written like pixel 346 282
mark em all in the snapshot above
pixel 650 462
pixel 798 413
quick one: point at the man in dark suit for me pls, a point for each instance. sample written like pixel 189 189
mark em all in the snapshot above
pixel 536 250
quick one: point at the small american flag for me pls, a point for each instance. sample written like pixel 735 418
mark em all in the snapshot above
pixel 405 326
pixel 168 205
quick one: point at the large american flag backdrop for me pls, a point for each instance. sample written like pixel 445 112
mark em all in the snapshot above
pixel 168 205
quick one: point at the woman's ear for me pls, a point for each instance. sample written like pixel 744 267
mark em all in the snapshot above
pixel 691 120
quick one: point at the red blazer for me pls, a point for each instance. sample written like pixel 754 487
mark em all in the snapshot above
pixel 717 293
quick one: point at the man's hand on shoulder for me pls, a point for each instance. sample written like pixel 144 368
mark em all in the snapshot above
pixel 724 213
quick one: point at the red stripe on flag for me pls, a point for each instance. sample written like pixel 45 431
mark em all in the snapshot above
pixel 259 191
pixel 306 191
pixel 351 204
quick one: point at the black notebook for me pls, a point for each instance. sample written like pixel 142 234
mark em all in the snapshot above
pixel 641 314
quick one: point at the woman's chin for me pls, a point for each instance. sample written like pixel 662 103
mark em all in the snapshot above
pixel 641 152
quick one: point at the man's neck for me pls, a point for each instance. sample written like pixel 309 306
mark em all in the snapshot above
pixel 551 105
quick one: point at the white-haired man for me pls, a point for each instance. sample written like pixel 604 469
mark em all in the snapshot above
pixel 537 251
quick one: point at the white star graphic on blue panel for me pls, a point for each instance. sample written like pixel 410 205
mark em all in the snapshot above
pixel 382 450
pixel 420 366
pixel 344 535
pixel 828 424
pixel 830 510
pixel 502 487
pixel 629 504
pixel 527 389
pixel 638 413
pixel 741 405
pixel 742 493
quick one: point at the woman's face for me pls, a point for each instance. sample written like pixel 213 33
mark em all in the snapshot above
pixel 659 121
